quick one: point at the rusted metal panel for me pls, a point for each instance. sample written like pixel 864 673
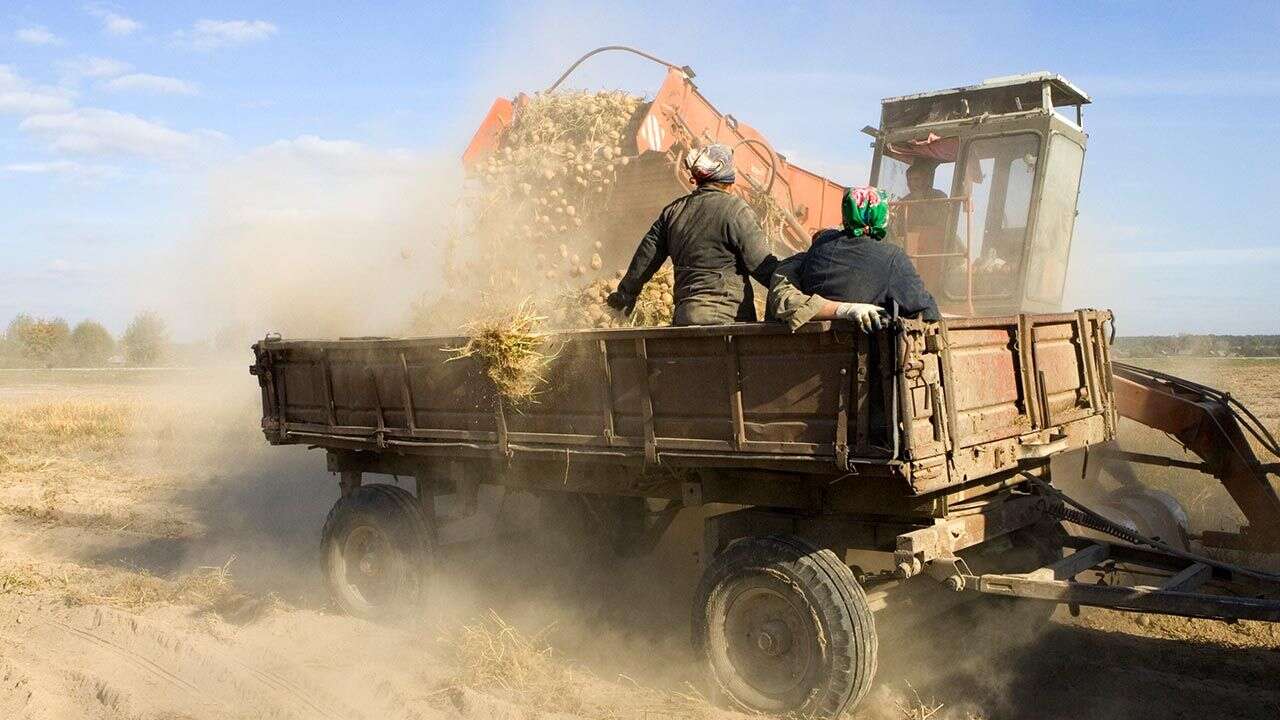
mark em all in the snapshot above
pixel 1060 364
pixel 1205 424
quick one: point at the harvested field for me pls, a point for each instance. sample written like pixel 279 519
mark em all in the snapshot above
pixel 158 560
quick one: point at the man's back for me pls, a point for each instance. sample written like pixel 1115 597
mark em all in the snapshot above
pixel 694 224
pixel 715 243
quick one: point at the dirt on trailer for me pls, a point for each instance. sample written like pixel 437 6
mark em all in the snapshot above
pixel 159 560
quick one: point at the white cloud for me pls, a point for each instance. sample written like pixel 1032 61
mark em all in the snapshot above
pixel 94 131
pixel 145 82
pixel 119 24
pixel 19 97
pixel 69 168
pixel 113 22
pixel 210 34
pixel 93 67
pixel 36 35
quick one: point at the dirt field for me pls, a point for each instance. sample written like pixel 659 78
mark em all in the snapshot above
pixel 158 560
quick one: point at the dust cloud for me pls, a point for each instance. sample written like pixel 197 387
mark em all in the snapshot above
pixel 312 237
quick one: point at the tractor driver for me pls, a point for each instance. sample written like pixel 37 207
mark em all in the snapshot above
pixel 920 174
pixel 926 217
pixel 849 273
pixel 715 242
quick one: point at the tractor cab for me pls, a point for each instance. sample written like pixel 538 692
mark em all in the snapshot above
pixel 984 181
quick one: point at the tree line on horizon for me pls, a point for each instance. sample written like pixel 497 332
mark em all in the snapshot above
pixel 1198 346
pixel 52 342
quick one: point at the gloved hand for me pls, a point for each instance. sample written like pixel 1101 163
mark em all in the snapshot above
pixel 621 302
pixel 868 317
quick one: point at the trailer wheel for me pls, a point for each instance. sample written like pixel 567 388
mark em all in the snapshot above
pixel 375 550
pixel 784 627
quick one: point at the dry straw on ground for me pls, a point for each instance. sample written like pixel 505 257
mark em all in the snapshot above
pixel 497 659
pixel 206 589
pixel 42 427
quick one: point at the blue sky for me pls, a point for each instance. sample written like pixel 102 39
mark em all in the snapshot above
pixel 128 130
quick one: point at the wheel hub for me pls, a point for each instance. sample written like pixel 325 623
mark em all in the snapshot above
pixel 774 638
pixel 770 641
pixel 368 551
pixel 369 563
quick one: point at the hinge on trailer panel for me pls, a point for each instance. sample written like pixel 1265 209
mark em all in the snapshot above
pixel 380 434
pixel 842 423
pixel 500 417
pixel 646 404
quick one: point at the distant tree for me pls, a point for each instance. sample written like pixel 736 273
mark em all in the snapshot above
pixel 146 340
pixel 91 344
pixel 42 339
pixel 17 326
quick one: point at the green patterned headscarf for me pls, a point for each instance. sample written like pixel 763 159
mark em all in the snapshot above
pixel 865 211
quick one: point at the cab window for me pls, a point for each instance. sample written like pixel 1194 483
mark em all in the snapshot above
pixel 998 177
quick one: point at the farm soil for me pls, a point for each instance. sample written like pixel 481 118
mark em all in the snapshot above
pixel 158 560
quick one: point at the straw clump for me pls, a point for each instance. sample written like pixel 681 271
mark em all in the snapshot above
pixel 512 350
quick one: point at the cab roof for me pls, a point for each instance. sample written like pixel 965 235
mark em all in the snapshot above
pixel 1064 91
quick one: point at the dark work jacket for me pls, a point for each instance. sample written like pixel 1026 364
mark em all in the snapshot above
pixel 715 243
pixel 865 270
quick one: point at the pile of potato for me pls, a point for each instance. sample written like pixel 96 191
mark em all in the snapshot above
pixel 539 196
pixel 536 222
pixel 586 307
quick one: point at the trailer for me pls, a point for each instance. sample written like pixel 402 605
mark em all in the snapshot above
pixel 862 464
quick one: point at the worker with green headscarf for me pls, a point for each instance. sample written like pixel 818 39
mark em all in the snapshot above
pixel 850 273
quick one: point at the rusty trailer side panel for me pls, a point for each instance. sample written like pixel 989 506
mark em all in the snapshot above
pixel 935 404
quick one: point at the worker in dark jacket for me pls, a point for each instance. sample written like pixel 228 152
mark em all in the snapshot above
pixel 849 273
pixel 715 243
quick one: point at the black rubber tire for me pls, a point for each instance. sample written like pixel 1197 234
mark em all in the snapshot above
pixel 842 645
pixel 393 518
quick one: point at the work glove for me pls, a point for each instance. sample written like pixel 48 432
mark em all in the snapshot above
pixel 867 316
pixel 621 302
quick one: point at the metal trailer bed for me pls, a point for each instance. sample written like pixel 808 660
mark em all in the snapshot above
pixel 914 447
